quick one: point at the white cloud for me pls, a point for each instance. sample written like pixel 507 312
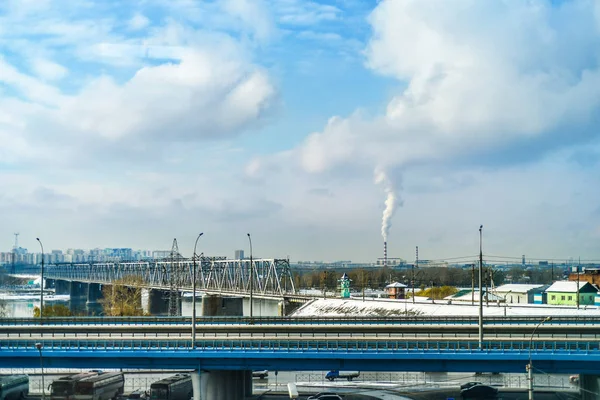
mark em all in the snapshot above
pixel 479 77
pixel 47 69
pixel 207 94
pixel 253 14
pixel 138 22
pixel 303 12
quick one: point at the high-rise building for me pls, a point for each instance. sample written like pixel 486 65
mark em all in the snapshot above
pixel 239 254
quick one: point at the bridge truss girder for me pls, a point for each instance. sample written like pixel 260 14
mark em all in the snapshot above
pixel 270 276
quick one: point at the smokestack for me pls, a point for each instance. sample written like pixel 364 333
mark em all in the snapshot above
pixel 385 254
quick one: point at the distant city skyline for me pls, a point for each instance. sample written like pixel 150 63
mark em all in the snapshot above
pixel 322 128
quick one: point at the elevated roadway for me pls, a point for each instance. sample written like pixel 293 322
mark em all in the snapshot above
pixel 302 345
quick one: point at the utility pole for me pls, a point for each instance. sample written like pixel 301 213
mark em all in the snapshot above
pixel 578 264
pixel 480 289
pixel 473 284
pixel 194 294
pixel 251 280
pixel 416 264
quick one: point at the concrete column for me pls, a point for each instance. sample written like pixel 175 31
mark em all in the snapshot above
pixel 94 294
pixel 287 307
pixel 248 383
pixel 218 306
pixel 226 385
pixel 196 384
pixel 78 290
pixel 589 387
pixel 62 287
pixel 155 302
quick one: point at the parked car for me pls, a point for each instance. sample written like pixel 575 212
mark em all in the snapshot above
pixel 330 397
pixel 321 395
pixel 479 392
pixel 469 384
pixel 260 374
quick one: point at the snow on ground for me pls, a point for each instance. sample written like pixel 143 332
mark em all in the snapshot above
pixel 25 276
pixel 387 307
pixel 33 296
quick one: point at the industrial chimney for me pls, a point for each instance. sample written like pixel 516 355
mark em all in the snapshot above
pixel 385 254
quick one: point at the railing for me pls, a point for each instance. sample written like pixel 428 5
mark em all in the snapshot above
pixel 307 345
pixel 393 320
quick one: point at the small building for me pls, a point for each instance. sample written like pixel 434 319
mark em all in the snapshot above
pixel 515 293
pixel 396 290
pixel 468 296
pixel 565 293
pixel 589 274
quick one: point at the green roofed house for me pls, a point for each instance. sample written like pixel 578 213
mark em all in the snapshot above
pixel 565 293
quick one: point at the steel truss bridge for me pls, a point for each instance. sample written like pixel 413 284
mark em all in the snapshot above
pixel 270 277
pixel 297 344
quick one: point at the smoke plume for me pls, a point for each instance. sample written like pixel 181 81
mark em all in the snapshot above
pixel 392 201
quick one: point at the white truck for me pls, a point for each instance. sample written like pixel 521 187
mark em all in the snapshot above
pixel 335 374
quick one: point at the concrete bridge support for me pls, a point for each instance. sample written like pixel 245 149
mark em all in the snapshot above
pixel 218 306
pixel 62 287
pixel 94 295
pixel 78 290
pixel 589 387
pixel 287 307
pixel 222 385
pixel 156 302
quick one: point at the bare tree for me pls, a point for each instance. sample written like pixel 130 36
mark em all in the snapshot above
pixel 123 297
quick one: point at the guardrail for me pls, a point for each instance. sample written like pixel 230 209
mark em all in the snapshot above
pixel 306 345
pixel 393 320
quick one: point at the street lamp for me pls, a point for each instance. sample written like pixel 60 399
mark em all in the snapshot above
pixel 41 283
pixel 480 289
pixel 194 295
pixel 39 347
pixel 251 278
pixel 416 264
pixel 530 365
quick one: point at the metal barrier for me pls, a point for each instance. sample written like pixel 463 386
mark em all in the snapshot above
pixel 389 320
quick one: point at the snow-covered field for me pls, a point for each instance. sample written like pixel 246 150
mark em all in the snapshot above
pixel 387 307
pixel 33 296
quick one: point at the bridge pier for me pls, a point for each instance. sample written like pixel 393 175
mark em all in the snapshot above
pixel 287 307
pixel 222 385
pixel 589 386
pixel 78 290
pixel 156 302
pixel 94 294
pixel 78 296
pixel 62 287
pixel 221 306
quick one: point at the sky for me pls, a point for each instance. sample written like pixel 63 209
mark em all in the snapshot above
pixel 320 127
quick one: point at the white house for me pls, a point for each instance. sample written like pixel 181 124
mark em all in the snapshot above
pixel 514 293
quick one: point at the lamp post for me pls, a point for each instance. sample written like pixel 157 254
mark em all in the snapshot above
pixel 530 365
pixel 416 264
pixel 41 284
pixel 194 295
pixel 480 289
pixel 251 279
pixel 39 347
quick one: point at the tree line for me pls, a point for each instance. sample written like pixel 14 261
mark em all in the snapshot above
pixel 378 278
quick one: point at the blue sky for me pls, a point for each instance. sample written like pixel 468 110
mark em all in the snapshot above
pixel 309 124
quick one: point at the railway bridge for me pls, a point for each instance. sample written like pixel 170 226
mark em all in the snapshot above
pixel 227 283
